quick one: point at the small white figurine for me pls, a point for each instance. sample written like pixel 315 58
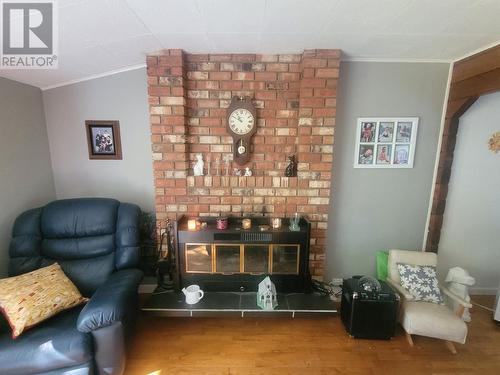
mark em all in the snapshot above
pixel 227 161
pixel 217 166
pixel 459 282
pixel 209 164
pixel 198 167
pixel 237 171
pixel 248 172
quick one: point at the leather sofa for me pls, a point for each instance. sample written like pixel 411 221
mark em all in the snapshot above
pixel 96 242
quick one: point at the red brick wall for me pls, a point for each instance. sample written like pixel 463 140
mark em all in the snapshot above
pixel 295 96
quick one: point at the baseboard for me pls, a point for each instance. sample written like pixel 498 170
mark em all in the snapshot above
pixel 483 291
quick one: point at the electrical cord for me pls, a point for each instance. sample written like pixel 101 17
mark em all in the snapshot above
pixel 327 289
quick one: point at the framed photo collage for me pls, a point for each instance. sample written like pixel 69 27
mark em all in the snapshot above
pixel 385 142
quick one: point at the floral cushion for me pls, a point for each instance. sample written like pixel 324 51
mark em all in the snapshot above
pixel 28 299
pixel 421 282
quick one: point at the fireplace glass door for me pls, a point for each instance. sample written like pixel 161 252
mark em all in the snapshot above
pixel 243 258
pixel 199 258
pixel 227 258
pixel 256 259
pixel 286 259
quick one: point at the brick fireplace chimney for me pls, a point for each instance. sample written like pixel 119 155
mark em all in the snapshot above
pixel 295 96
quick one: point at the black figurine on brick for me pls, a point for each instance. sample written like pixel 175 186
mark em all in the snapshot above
pixel 291 168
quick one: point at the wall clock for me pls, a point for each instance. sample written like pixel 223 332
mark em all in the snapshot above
pixel 242 125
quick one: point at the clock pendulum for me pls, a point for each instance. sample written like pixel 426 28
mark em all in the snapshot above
pixel 241 148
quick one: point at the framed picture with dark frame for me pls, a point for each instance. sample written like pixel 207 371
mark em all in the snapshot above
pixel 385 142
pixel 103 139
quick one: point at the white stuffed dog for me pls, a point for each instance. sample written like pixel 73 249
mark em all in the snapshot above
pixel 459 282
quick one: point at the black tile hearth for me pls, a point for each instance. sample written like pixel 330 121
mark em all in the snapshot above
pixel 308 302
pixel 218 301
pixel 211 301
pixel 229 304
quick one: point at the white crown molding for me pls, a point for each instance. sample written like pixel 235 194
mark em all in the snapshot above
pixel 395 60
pixel 94 76
pixel 343 59
pixel 140 66
pixel 479 50
pixel 18 80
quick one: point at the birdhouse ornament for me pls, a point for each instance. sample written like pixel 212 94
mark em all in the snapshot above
pixel 266 295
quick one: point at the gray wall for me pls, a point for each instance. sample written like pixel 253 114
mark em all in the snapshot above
pixel 120 97
pixel 378 209
pixel 469 237
pixel 25 173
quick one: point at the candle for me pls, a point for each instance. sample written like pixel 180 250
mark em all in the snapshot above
pixel 276 222
pixel 222 223
pixel 192 224
pixel 246 223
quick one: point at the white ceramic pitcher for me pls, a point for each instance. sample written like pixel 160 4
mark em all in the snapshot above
pixel 193 294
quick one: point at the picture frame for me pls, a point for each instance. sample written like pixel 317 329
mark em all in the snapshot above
pixel 385 142
pixel 103 139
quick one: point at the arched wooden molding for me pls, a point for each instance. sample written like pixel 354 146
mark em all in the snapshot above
pixel 471 77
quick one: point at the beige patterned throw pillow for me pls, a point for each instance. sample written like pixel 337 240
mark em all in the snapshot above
pixel 28 299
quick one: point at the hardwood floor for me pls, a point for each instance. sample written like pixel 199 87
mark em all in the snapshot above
pixel 209 346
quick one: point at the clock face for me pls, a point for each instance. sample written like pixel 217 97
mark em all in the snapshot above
pixel 241 121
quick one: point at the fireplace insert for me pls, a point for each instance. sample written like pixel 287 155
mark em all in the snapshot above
pixel 238 259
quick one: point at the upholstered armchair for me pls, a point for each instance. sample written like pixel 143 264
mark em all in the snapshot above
pixel 96 243
pixel 427 318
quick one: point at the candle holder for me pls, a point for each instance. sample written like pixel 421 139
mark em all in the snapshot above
pixel 276 222
pixel 294 222
pixel 246 223
pixel 193 224
pixel 222 223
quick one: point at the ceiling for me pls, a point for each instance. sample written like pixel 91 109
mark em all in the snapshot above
pixel 98 37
